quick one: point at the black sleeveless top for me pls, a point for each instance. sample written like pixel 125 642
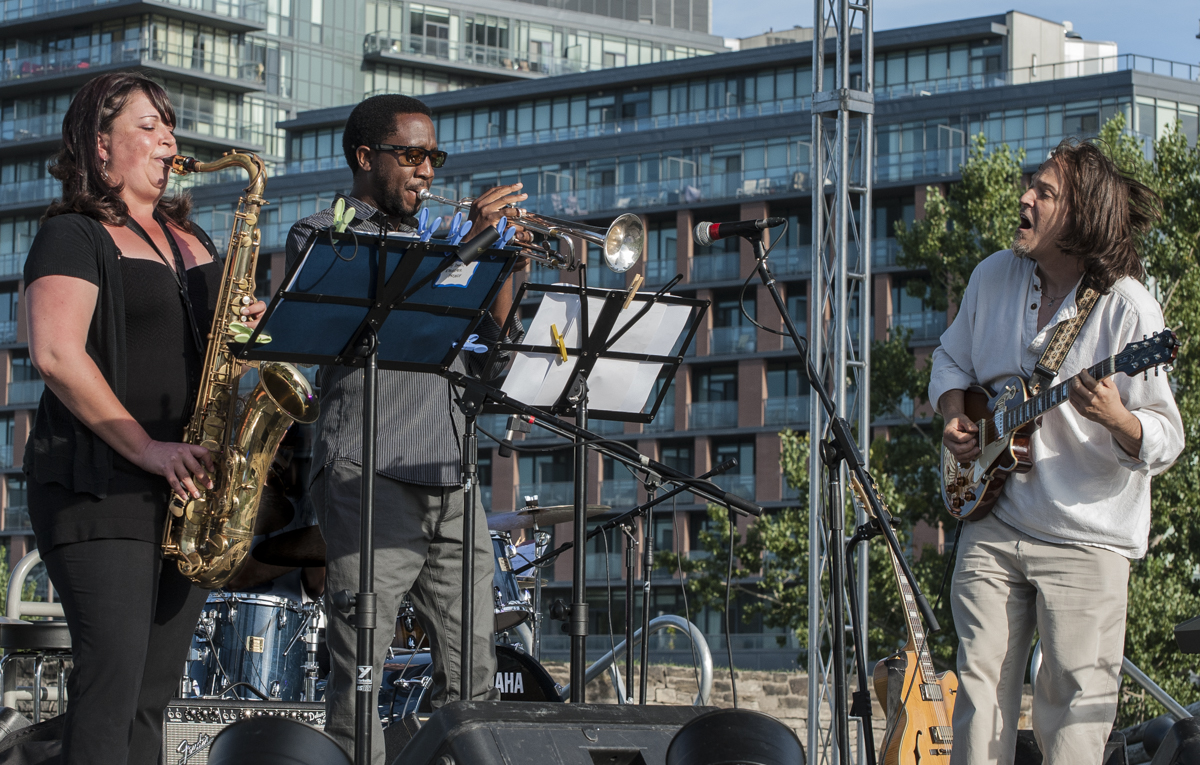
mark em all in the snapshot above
pixel 162 373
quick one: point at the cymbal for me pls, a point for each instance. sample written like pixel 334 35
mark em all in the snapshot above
pixel 528 517
pixel 274 509
pixel 298 547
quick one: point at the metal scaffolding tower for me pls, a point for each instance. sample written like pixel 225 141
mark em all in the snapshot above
pixel 840 318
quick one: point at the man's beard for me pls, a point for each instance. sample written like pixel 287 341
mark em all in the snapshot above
pixel 391 202
pixel 1020 249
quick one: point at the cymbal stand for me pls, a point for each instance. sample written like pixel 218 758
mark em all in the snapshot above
pixel 630 564
pixel 541 540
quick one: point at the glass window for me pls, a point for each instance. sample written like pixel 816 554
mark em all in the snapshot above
pixel 958 60
pixel 678 455
pixel 786 378
pixel 1188 116
pixel 715 384
pixel 895 67
pixel 742 450
pixel 938 63
pixel 916 65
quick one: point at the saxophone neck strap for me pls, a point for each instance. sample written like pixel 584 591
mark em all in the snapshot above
pixel 178 270
pixel 1061 341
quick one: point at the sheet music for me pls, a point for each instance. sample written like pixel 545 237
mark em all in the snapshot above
pixel 616 385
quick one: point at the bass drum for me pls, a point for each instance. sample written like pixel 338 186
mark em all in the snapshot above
pixel 407 679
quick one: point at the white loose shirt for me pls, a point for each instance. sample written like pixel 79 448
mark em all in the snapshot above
pixel 1083 488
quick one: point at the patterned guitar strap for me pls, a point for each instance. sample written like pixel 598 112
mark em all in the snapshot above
pixel 1062 340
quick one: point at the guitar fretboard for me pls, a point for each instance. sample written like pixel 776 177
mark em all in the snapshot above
pixel 1048 399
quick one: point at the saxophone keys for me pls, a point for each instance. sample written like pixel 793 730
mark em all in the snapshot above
pixel 251 219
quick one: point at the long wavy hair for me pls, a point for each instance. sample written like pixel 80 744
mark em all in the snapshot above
pixel 77 165
pixel 1107 211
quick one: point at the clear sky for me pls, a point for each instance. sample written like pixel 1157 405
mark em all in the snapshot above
pixel 1161 28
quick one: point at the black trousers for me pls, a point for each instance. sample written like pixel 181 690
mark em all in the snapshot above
pixel 131 617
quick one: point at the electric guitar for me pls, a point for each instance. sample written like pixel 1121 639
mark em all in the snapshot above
pixel 1006 421
pixel 918 703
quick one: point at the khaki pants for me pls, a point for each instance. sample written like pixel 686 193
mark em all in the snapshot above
pixel 418 552
pixel 1006 583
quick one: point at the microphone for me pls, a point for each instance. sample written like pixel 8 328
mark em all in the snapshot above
pixel 724 467
pixel 474 248
pixel 706 233
pixel 517 423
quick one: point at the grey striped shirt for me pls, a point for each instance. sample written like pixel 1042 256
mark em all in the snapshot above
pixel 420 424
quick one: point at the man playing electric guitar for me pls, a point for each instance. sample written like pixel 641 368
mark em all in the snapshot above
pixel 1054 552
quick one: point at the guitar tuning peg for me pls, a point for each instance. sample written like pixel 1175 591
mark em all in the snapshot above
pixel 1156 371
pixel 1169 368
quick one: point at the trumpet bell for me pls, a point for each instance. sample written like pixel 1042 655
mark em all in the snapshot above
pixel 624 243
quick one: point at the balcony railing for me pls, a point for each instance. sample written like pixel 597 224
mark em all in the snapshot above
pixel 660 270
pixel 249 10
pixel 607 427
pixel 618 492
pixel 732 340
pixel 25 391
pixel 789 410
pixel 884 252
pixel 8 332
pixel 716 267
pixel 664 421
pixel 37 190
pixel 16 518
pixel 786 261
pixel 741 485
pixel 554 493
pixel 708 415
pixel 6 455
pixel 132 53
pixel 32 128
pixel 518 62
pixel 925 325
pixel 595 565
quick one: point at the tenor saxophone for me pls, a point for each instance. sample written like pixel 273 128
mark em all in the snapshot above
pixel 209 537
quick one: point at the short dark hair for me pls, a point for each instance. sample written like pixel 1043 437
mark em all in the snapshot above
pixel 85 189
pixel 1107 211
pixel 373 120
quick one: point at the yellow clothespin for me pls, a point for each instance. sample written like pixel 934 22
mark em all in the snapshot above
pixel 558 340
pixel 637 283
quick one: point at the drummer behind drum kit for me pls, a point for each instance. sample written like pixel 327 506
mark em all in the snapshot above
pixel 266 648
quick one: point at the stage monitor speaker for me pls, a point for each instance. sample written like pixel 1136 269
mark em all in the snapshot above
pixel 1028 753
pixel 499 733
pixel 190 725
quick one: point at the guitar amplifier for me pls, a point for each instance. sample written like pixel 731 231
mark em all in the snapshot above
pixel 190 725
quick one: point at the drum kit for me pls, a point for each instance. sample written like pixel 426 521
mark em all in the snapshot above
pixel 250 646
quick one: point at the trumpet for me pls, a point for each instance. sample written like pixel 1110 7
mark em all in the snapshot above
pixel 621 243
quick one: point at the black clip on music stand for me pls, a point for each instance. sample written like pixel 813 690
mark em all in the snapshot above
pixel 390 302
pixel 592 332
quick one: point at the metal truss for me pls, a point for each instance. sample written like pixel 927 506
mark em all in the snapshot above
pixel 840 322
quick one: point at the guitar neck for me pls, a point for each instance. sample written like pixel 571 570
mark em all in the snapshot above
pixel 1052 397
pixel 912 618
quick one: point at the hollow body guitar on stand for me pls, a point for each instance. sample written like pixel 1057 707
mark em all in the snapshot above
pixel 1006 421
pixel 918 703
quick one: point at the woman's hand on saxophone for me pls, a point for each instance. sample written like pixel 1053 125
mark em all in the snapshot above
pixel 183 465
pixel 252 313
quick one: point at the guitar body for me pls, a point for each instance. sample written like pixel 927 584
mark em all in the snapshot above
pixel 970 490
pixel 918 729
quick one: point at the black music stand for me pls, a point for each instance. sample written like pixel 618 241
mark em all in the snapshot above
pixel 372 301
pixel 605 336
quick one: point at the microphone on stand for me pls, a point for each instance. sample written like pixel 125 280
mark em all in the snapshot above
pixel 516 424
pixel 724 467
pixel 706 233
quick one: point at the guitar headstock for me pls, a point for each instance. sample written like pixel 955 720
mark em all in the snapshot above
pixel 1154 351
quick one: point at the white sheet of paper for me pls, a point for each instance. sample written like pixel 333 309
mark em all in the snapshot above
pixel 614 384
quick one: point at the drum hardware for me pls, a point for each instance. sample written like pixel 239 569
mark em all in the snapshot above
pixel 512 605
pixel 532 516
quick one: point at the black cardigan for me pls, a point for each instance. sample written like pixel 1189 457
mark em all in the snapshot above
pixel 61 449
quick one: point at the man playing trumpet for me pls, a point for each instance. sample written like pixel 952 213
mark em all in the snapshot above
pixel 391 147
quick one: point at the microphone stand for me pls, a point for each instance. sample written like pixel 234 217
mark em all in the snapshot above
pixel 837 448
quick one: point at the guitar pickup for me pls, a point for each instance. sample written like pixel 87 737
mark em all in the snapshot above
pixel 931 692
pixel 942 734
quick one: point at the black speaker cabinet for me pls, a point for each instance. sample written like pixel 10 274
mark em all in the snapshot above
pixel 503 733
pixel 190 725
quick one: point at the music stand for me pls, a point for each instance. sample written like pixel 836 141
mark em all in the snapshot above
pixel 377 301
pixel 622 341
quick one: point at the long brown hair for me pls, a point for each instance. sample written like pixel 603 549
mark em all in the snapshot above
pixel 1107 211
pixel 77 165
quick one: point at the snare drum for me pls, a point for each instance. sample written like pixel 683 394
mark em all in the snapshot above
pixel 246 642
pixel 512 605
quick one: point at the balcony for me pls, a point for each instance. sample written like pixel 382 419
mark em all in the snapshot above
pixel 786 411
pixel 6 456
pixel 926 326
pixel 664 421
pixel 231 15
pixel 596 565
pixel 660 271
pixel 554 493
pixel 17 519
pixel 63 68
pixel 710 415
pixel 618 492
pixel 722 340
pixel 884 252
pixel 8 332
pixel 607 427
pixel 717 267
pixel 741 485
pixel 35 193
pixel 456 56
pixel 791 261
pixel 41 127
pixel 25 392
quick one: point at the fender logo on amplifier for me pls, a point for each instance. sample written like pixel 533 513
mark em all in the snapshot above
pixel 187 750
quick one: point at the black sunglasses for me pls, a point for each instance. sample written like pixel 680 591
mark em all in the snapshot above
pixel 414 155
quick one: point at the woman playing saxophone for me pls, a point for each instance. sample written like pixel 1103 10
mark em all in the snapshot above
pixel 120 292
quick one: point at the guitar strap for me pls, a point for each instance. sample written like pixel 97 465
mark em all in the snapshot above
pixel 1062 340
